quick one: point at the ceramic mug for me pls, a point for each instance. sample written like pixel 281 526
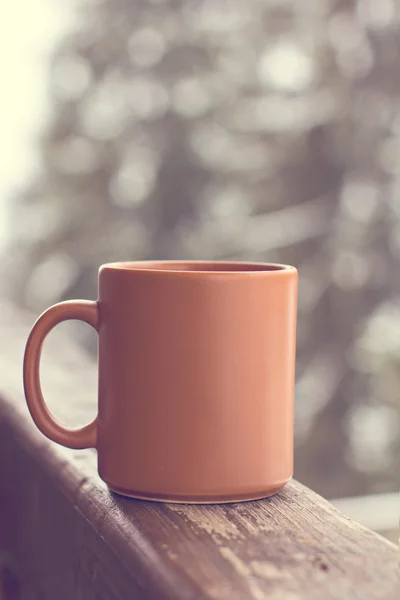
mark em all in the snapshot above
pixel 196 379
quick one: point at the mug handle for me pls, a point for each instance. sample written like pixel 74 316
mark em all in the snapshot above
pixel 83 310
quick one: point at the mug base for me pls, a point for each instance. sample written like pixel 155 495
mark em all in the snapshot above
pixel 201 499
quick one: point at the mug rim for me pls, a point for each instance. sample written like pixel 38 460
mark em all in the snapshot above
pixel 200 267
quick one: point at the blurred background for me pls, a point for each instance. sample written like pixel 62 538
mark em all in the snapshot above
pixel 263 130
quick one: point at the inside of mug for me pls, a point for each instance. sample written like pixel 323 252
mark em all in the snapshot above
pixel 200 266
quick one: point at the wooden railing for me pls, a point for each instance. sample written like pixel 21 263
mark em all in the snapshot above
pixel 64 536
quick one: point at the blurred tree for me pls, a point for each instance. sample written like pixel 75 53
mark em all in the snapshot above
pixel 257 130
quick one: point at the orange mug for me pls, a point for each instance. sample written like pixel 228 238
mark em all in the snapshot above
pixel 196 379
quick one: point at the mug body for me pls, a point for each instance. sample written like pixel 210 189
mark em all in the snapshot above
pixel 196 379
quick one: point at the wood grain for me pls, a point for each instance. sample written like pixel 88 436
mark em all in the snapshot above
pixel 68 537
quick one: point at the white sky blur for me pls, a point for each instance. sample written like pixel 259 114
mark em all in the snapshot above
pixel 29 29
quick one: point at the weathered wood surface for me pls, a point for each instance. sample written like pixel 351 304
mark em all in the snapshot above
pixel 65 536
